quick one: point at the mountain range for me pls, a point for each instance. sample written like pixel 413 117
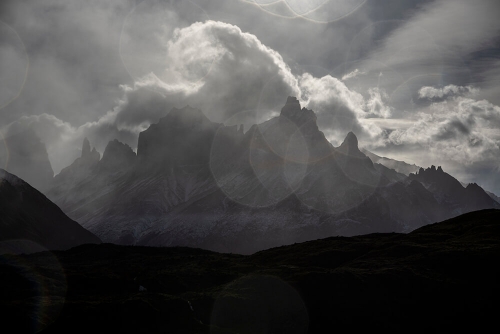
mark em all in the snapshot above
pixel 194 182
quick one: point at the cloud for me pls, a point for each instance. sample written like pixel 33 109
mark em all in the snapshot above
pixel 376 106
pixel 461 130
pixel 223 71
pixel 73 63
pixel 437 45
pixel 215 67
pixel 206 80
pixel 432 93
pixel 352 74
pixel 64 141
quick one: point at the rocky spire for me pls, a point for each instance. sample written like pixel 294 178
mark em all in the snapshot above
pixel 88 154
pixel 85 148
pixel 350 146
pixel 293 112
pixel 117 155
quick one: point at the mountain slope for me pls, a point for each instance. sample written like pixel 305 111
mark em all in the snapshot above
pixel 27 214
pixel 450 193
pixel 203 184
pixel 399 166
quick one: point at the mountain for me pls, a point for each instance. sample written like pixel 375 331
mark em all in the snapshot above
pixel 450 193
pixel 442 277
pixel 399 166
pixel 495 197
pixel 26 214
pixel 24 154
pixel 81 167
pixel 203 184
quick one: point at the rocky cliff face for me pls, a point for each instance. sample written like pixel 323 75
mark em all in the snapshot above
pixel 183 137
pixel 450 193
pixel 202 184
pixel 117 157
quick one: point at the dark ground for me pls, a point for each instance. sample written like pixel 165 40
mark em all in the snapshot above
pixel 441 278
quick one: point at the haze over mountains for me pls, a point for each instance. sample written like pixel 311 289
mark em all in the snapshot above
pixel 23 154
pixel 197 183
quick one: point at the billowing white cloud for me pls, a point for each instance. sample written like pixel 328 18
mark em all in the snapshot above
pixel 432 93
pixel 221 70
pixel 236 72
pixel 376 106
pixel 461 130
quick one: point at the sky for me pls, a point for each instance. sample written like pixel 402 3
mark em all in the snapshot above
pixel 417 81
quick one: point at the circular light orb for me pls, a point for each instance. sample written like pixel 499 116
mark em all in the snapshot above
pixel 147 35
pixel 317 11
pixel 39 284
pixel 15 64
pixel 259 304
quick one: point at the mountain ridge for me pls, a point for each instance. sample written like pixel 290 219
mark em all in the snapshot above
pixel 196 182
pixel 26 214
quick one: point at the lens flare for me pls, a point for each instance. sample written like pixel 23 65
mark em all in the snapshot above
pixel 15 65
pixel 317 11
pixel 44 283
pixel 4 152
pixel 146 36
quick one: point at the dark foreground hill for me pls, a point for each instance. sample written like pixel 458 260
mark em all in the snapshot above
pixel 441 278
pixel 27 216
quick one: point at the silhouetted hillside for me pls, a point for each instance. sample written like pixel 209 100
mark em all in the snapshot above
pixel 441 278
pixel 26 214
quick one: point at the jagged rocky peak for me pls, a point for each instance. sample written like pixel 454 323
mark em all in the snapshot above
pixel 350 146
pixel 296 114
pixel 351 140
pixel 81 167
pixel 473 186
pixel 183 136
pixel 432 170
pixel 117 155
pixel 89 155
pixel 85 148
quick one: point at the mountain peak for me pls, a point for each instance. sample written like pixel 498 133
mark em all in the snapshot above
pixel 117 155
pixel 351 140
pixel 293 111
pixel 350 146
pixel 85 148
pixel 292 100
